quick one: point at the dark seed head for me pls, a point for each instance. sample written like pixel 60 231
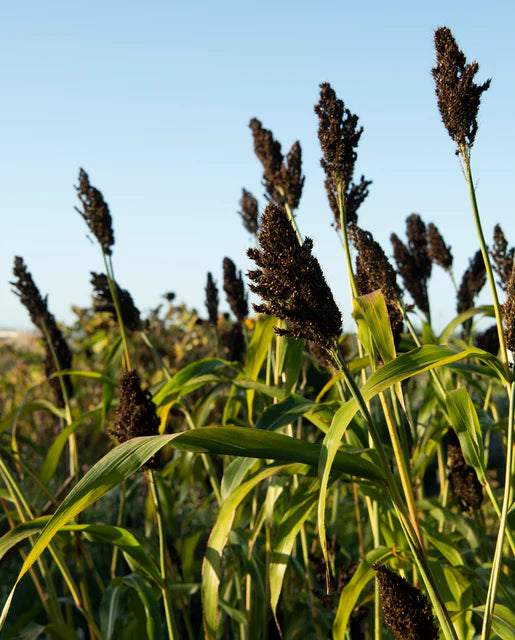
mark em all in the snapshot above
pixel 95 212
pixel 290 281
pixel 249 212
pixel 413 275
pixel 374 271
pixel 458 95
pixel 462 477
pixel 104 302
pixel 339 136
pixel 136 412
pixel 211 300
pixel 437 250
pixel 282 177
pixel 508 314
pixel 472 282
pixel 235 290
pixel 502 257
pixel 233 343
pixel 406 609
pixel 488 340
pixel 56 346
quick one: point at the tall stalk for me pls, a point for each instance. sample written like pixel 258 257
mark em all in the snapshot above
pixel 465 154
pixel 497 561
pixel 399 505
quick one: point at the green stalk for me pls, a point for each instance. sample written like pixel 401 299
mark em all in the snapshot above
pixel 291 217
pixel 112 288
pixel 72 442
pixel 156 354
pixel 442 392
pixel 345 239
pixel 465 154
pixel 497 561
pixel 170 619
pixel 400 508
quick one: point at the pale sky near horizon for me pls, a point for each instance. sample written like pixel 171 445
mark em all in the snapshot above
pixel 153 98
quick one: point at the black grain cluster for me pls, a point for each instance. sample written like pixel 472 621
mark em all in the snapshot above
pixel 234 288
pixel 339 136
pixel 437 250
pixel 282 177
pixel 211 300
pixel 56 347
pixel 472 282
pixel 95 212
pixel 374 271
pixel 290 282
pixel 457 94
pixel 462 477
pixel 249 212
pixel 406 609
pixel 136 412
pixel 413 261
pixel 502 257
pixel 104 302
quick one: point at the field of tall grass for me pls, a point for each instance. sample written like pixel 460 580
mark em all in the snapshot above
pixel 262 474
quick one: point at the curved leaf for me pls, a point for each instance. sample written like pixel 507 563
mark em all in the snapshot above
pixel 211 565
pixel 351 592
pixel 301 504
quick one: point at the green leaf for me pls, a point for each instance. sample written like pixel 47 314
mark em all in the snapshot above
pixel 352 590
pixel 211 566
pixel 446 334
pixel 110 610
pixel 234 474
pixel 191 377
pixel 85 374
pixel 148 600
pixel 371 310
pixel 257 351
pixel 258 345
pixel 503 620
pixel 301 504
pixel 128 457
pixel 465 422
pixel 53 456
pixel 133 552
pixel 442 543
pixel 26 409
pixel 284 412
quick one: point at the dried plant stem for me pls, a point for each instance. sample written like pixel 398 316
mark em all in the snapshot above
pixel 497 561
pixel 465 154
pixel 171 624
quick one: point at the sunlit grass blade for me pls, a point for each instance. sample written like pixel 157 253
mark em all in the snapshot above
pixel 211 566
pixel 465 422
pixel 301 504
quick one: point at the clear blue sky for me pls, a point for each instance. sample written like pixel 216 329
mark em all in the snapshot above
pixel 153 99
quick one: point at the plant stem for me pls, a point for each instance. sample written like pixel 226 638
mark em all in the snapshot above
pixel 484 251
pixel 114 295
pixel 398 503
pixel 170 619
pixel 497 561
